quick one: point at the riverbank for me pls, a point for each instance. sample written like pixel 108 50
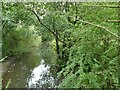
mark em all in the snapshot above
pixel 21 70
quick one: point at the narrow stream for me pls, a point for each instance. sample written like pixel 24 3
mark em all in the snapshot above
pixel 31 70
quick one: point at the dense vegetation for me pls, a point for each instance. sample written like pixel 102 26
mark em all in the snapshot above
pixel 84 36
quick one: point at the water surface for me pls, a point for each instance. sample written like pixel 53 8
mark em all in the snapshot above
pixel 31 70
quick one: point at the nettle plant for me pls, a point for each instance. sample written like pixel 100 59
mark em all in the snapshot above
pixel 92 60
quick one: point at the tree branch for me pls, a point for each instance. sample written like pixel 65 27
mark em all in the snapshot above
pixel 4 23
pixel 35 13
pixel 101 28
pixel 108 6
pixel 113 21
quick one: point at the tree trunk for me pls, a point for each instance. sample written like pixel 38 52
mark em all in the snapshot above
pixel 57 46
pixel 56 39
pixel 63 50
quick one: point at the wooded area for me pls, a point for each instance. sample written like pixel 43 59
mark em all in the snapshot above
pixel 84 35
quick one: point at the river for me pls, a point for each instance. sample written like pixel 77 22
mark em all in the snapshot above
pixel 31 70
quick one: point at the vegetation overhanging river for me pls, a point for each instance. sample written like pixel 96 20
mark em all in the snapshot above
pixel 31 70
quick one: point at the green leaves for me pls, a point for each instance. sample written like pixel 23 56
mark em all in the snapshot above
pixel 92 56
pixel 89 52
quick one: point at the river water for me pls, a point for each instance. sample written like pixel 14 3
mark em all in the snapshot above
pixel 31 70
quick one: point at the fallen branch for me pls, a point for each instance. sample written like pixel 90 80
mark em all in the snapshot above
pixel 99 26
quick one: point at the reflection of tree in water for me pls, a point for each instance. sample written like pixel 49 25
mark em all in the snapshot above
pixel 41 77
pixel 46 82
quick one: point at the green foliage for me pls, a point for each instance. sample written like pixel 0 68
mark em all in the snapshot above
pixel 88 52
pixel 20 40
pixel 93 52
pixel 20 34
pixel 92 60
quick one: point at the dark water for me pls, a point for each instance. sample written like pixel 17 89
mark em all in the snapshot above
pixel 31 70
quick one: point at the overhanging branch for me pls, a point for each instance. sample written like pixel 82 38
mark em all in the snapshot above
pixel 117 21
pixel 35 13
pixel 107 6
pixel 99 26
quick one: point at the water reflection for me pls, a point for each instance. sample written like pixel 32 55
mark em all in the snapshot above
pixel 35 69
pixel 18 70
pixel 41 77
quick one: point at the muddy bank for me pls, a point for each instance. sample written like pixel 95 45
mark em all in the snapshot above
pixel 7 62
